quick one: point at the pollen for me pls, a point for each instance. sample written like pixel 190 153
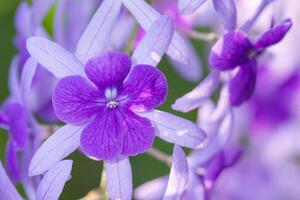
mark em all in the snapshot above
pixel 111 104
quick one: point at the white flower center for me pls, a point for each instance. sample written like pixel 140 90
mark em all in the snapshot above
pixel 110 94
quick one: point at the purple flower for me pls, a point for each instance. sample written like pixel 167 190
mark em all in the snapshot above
pixel 110 105
pixel 97 99
pixel 235 49
pixel 50 186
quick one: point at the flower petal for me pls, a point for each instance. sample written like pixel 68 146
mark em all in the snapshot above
pixel 53 57
pixel 23 20
pixel 96 36
pixel 193 70
pixel 139 134
pixel 13 79
pixel 176 130
pixel 155 43
pixel 58 146
pixel 230 51
pixel 119 179
pixel 108 70
pixel 12 164
pixel 39 9
pixel 146 16
pixel 7 189
pixel 154 188
pixel 216 144
pixel 226 10
pixel 274 35
pixel 17 124
pixel 145 89
pixel 54 180
pixel 75 100
pixel 103 137
pixel 242 85
pixel 178 179
pixel 187 7
pixel 26 80
pixel 199 94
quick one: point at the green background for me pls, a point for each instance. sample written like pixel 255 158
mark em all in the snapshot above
pixel 86 173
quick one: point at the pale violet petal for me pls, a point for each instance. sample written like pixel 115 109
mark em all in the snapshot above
pixel 95 38
pixel 23 20
pixel 119 179
pixel 58 146
pixel 153 189
pixel 155 43
pixel 199 94
pixel 216 143
pixel 54 58
pixel 227 13
pixel 39 10
pixel 26 80
pixel 189 6
pixel 176 130
pixel 193 70
pixel 178 179
pixel 146 15
pixel 7 189
pixel 54 180
pixel 223 105
pixel 13 79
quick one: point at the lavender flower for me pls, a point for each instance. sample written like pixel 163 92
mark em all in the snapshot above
pixel 50 187
pixel 94 101
pixel 110 108
pixel 235 49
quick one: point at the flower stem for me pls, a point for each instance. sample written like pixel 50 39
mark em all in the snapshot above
pixel 103 191
pixel 161 156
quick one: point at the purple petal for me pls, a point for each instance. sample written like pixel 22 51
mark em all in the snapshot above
pixel 39 9
pixel 178 179
pixel 176 130
pixel 7 189
pixel 108 70
pixel 58 146
pixel 199 94
pixel 23 20
pixel 187 7
pixel 53 57
pixel 119 179
pixel 139 134
pixel 154 188
pixel 26 80
pixel 12 164
pixel 230 51
pixel 193 70
pixel 216 144
pixel 69 27
pixel 274 35
pixel 145 89
pixel 75 100
pixel 13 79
pixel 103 137
pixel 17 124
pixel 146 16
pixel 95 38
pixel 54 180
pixel 227 12
pixel 155 43
pixel 242 85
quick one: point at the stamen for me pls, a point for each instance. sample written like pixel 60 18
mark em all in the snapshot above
pixel 111 104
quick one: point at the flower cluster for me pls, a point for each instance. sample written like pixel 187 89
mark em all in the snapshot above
pixel 94 80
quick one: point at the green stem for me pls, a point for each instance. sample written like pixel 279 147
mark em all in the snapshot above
pixel 103 191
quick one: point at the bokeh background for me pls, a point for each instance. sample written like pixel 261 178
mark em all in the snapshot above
pixel 86 173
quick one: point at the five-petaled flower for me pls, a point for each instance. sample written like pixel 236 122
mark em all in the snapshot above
pixel 109 105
